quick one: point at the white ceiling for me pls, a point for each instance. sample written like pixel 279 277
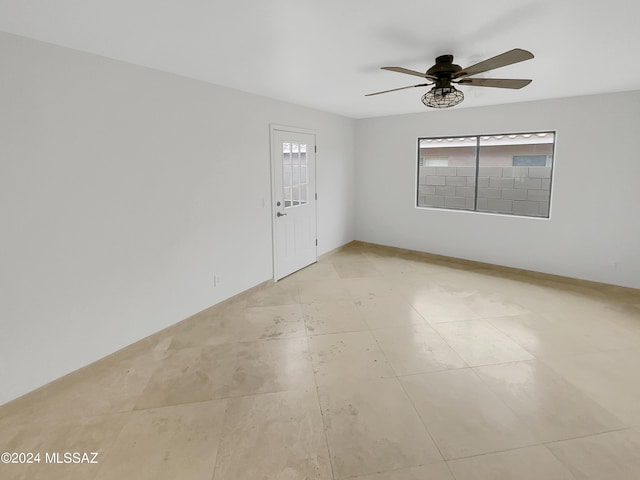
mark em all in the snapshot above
pixel 326 54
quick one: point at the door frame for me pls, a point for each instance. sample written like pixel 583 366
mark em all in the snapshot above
pixel 273 127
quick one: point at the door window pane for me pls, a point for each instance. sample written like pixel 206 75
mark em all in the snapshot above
pixel 295 174
pixel 286 175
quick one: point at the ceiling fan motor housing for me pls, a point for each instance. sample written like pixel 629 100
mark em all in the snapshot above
pixel 444 67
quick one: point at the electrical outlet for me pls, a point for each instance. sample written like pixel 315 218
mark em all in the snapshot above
pixel 217 280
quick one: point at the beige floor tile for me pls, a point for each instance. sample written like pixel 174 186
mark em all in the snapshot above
pixel 539 336
pixel 214 326
pixel 540 298
pixel 198 374
pixel 448 298
pixel 317 271
pixel 387 311
pixel 479 343
pixel 559 334
pixel 610 378
pixel 411 284
pixel 434 471
pixel 465 278
pixel 550 406
pixel 610 456
pixel 323 291
pixel 372 427
pixel 416 349
pixel 51 440
pixel 360 269
pixel 284 292
pixel 167 443
pixel 463 416
pixel 276 435
pixel 264 323
pixel 433 269
pixel 425 294
pixel 627 316
pixel 571 303
pixel 369 287
pixel 391 265
pixel 347 254
pixel 466 283
pixel 351 356
pixel 449 311
pixel 531 463
pixel 487 306
pixel 13 471
pixel 333 317
pixel 599 328
pixel 241 324
pixel 110 385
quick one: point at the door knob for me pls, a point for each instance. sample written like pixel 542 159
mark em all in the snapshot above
pixel 280 214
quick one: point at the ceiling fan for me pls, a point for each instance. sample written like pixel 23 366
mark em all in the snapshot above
pixel 445 74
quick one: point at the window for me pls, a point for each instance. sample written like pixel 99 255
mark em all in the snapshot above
pixel 508 174
pixel 295 179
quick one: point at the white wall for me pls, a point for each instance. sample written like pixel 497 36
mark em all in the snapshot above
pixel 594 229
pixel 123 190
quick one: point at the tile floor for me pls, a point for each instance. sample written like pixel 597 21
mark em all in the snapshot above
pixel 373 364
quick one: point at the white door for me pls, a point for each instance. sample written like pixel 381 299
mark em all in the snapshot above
pixel 293 161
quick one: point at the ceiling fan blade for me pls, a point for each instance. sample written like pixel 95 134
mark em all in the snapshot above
pixel 507 58
pixel 514 83
pixel 401 88
pixel 408 72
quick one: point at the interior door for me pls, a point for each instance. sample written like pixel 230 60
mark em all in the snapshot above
pixel 293 161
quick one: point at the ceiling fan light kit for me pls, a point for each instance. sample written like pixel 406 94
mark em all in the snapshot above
pixel 442 97
pixel 445 73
